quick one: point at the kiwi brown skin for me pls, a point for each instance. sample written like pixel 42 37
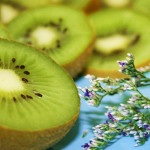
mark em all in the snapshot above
pixel 33 140
pixel 113 74
pixel 92 6
pixel 77 66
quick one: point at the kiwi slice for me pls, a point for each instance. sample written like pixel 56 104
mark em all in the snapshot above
pixel 132 31
pixel 39 102
pixel 87 5
pixel 140 5
pixel 68 39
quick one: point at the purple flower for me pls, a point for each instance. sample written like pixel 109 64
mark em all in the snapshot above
pixel 110 116
pixel 146 126
pixel 122 64
pixel 146 135
pixel 87 93
pixel 86 145
pixel 130 55
pixel 124 133
pixel 106 122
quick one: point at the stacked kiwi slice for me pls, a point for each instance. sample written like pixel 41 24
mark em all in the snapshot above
pixel 39 101
pixel 11 8
pixel 62 32
pixel 140 5
pixel 118 32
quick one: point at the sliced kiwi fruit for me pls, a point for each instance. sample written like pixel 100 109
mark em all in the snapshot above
pixel 86 5
pixel 9 9
pixel 39 101
pixel 62 32
pixel 118 32
pixel 140 5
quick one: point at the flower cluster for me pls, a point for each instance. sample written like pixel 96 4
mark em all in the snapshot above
pixel 132 118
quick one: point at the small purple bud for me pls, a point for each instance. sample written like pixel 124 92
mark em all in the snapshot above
pixel 86 145
pixel 106 122
pixel 146 135
pixel 87 93
pixel 146 126
pixel 110 116
pixel 122 64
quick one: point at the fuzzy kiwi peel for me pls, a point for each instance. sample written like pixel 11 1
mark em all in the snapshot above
pixel 69 39
pixel 34 109
pixel 119 21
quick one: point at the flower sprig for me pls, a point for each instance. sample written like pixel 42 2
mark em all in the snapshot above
pixel 132 118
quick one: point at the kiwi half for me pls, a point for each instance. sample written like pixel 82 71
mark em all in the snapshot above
pixel 125 24
pixel 62 32
pixel 39 102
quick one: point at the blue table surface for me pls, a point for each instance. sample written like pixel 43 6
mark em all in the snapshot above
pixel 91 116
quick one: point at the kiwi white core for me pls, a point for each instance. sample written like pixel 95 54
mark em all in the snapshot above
pixel 8 13
pixel 117 3
pixel 10 81
pixel 43 36
pixel 111 43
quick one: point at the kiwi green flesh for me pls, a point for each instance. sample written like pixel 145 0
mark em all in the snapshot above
pixel 77 38
pixel 116 3
pixel 3 32
pixel 28 4
pixel 116 42
pixel 45 97
pixel 35 3
pixel 76 3
pixel 142 6
pixel 113 22
pixel 8 12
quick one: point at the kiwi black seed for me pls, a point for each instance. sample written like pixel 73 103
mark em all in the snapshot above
pixel 68 39
pixel 121 23
pixel 35 99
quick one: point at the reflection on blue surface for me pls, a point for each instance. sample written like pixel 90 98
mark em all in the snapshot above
pixel 91 116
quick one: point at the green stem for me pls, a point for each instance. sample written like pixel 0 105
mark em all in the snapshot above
pixel 105 143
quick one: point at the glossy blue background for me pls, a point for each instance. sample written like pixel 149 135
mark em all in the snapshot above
pixel 91 116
